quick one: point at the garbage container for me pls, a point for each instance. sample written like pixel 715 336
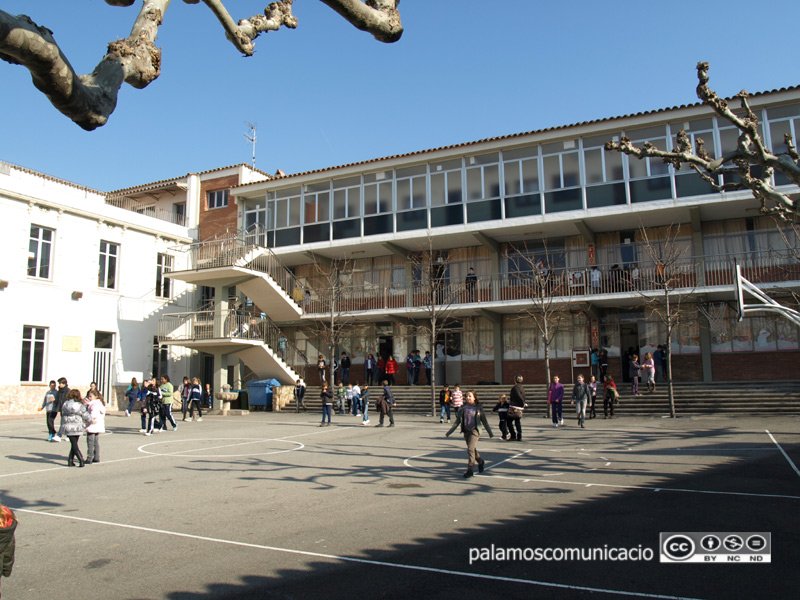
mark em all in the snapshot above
pixel 259 393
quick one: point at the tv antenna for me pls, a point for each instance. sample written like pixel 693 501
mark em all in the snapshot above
pixel 252 139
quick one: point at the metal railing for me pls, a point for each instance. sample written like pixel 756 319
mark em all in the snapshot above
pixel 162 214
pixel 238 251
pixel 231 324
pixel 687 274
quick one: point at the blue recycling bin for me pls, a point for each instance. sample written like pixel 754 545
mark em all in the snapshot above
pixel 259 393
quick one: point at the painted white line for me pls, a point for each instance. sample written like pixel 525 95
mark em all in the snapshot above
pixel 641 487
pixel 363 561
pixel 497 464
pixel 187 453
pixel 786 456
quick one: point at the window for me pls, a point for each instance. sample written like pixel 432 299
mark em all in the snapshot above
pixel 40 250
pixel 561 165
pixel 33 346
pixel 347 198
pixel 179 213
pixel 411 191
pixel 648 167
pixel 217 199
pixel 163 283
pixel 160 358
pixel 446 183
pixel 483 177
pixel 107 271
pixel 378 193
pixel 317 199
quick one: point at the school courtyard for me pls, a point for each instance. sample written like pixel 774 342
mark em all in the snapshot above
pixel 270 505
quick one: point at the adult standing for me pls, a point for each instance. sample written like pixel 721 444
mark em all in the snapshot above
pixel 97 425
pixel 369 368
pixel 469 417
pixel 471 284
pixel 581 395
pixel 344 366
pixel 387 403
pixel 49 406
pixel 516 406
pixel 76 418
pixel 555 398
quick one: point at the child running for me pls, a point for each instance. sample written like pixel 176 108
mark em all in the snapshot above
pixel 470 416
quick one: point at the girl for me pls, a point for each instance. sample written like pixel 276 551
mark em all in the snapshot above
pixel 649 369
pixel 327 402
pixel 184 390
pixel 76 418
pixel 470 416
pixel 194 399
pixel 132 394
pixel 153 407
pixel 593 399
pixel 97 425
pixel 391 370
pixel 321 366
pixel 610 396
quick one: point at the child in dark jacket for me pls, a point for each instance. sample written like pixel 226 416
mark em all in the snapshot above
pixel 501 408
pixel 8 523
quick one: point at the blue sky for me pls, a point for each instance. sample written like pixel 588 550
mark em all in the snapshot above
pixel 326 94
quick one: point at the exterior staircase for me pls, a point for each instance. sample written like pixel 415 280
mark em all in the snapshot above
pixel 691 399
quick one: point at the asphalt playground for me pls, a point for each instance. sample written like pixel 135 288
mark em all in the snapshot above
pixel 270 505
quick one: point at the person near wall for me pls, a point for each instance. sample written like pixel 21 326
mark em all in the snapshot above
pixel 300 394
pixel 649 372
pixel 391 369
pixel 132 395
pixel 49 404
pixel 321 368
pixel 470 416
pixel 61 397
pixel 97 425
pixel 369 368
pixel 344 367
pixel 427 363
pixel 471 284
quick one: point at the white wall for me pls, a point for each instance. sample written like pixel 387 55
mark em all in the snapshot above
pixel 80 219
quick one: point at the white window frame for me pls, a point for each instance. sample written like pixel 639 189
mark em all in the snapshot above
pixel 42 252
pixel 217 199
pixel 108 267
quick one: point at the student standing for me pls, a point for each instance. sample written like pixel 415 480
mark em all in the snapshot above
pixel 326 398
pixel 300 394
pixel 166 403
pixel 610 395
pixel 469 417
pixel 555 398
pixel 153 407
pixel 184 389
pixel 61 397
pixel 501 408
pixel 633 373
pixel 516 408
pixel 444 403
pixel 369 368
pixel 96 426
pixel 132 394
pixel 365 405
pixel 321 367
pixel 593 401
pixel 49 405
pixel 456 397
pixel 649 371
pixel 344 367
pixel 76 418
pixel 427 363
pixel 391 369
pixel 387 405
pixel 580 398
pixel 194 399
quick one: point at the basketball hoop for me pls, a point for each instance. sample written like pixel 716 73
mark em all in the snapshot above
pixel 764 303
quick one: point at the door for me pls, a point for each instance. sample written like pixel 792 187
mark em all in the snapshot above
pixel 629 344
pixel 103 361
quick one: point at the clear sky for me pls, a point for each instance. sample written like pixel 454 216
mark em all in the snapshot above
pixel 327 94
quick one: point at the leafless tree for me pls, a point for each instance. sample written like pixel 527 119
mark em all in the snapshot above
pixel 433 292
pixel 669 273
pixel 91 98
pixel 750 166
pixel 541 284
pixel 333 289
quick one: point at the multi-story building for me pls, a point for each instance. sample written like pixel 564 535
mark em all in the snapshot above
pixel 85 277
pixel 551 201
pixel 231 274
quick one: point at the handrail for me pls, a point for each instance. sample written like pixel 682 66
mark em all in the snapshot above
pixel 230 324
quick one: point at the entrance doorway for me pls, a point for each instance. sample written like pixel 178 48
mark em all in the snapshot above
pixel 628 342
pixel 386 346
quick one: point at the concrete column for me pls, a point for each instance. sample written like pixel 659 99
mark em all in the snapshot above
pixel 705 349
pixel 497 330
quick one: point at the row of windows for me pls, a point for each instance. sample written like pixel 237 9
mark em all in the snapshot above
pixel 567 175
pixel 41 253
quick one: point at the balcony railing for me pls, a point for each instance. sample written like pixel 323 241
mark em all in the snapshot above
pixel 209 325
pixel 565 284
pixel 242 252
pixel 162 214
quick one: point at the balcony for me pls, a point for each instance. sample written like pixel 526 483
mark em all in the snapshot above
pixel 604 285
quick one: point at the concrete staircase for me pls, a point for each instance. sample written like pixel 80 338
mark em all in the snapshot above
pixel 746 398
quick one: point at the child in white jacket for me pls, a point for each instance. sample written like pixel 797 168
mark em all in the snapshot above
pixel 97 412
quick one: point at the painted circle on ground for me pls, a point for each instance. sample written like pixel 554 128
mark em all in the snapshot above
pixel 219 445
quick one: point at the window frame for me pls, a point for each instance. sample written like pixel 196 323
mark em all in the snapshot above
pixel 37 262
pixel 108 267
pixel 217 199
pixel 38 347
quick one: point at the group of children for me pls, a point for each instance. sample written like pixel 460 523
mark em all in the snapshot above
pixel 352 399
pixel 79 415
pixel 156 395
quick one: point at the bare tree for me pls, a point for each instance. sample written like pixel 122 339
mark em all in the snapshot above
pixel 91 98
pixel 669 272
pixel 541 284
pixel 732 170
pixel 332 287
pixel 434 292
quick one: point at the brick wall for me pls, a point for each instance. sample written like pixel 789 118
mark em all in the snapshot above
pixel 746 366
pixel 217 221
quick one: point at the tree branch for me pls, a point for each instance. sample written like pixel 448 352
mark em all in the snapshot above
pixel 378 17
pixel 86 99
pixel 242 35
